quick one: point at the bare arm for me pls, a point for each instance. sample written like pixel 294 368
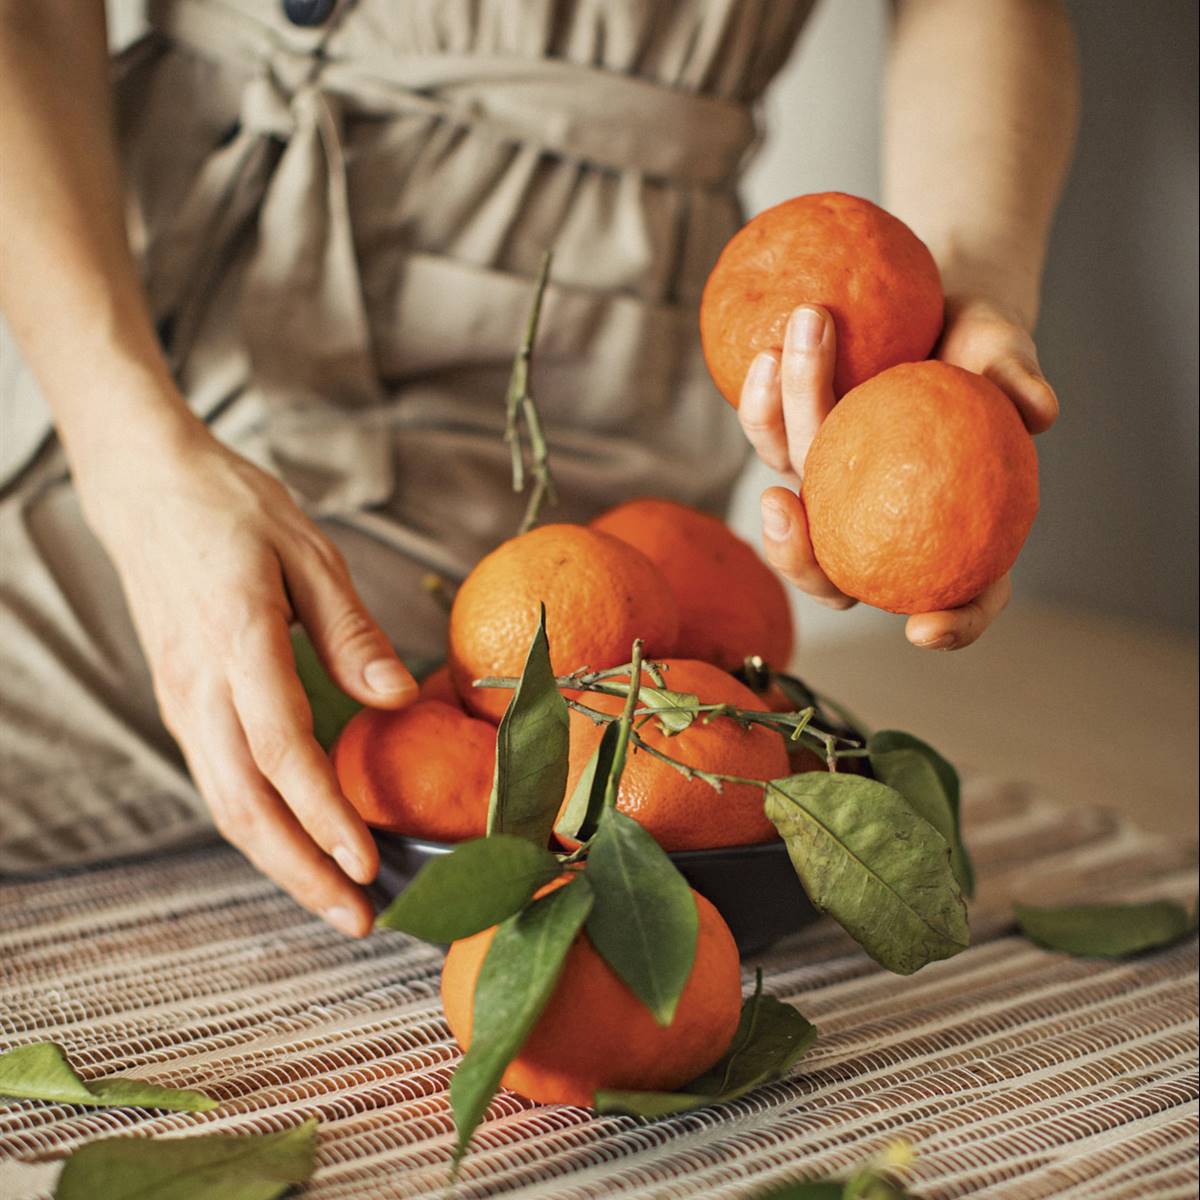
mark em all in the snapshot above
pixel 214 557
pixel 981 106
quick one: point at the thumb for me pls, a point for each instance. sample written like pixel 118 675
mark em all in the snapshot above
pixel 352 647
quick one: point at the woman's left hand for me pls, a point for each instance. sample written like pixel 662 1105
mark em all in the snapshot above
pixel 786 397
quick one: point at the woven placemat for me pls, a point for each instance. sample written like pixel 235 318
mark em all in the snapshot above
pixel 1015 1072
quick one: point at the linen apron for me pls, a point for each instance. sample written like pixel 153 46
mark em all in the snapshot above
pixel 338 228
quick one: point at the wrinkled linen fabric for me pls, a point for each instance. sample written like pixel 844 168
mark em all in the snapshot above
pixel 339 228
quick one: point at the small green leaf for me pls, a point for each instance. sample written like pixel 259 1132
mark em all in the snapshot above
pixel 477 885
pixel 517 978
pixel 674 711
pixel 531 751
pixel 218 1166
pixel 643 921
pixel 40 1071
pixel 874 864
pixel 771 1038
pixel 331 707
pixel 581 815
pixel 930 784
pixel 1106 930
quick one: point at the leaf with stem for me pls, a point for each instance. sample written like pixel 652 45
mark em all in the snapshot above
pixel 1106 930
pixel 875 865
pixel 531 750
pixel 643 922
pixel 41 1071
pixel 771 1038
pixel 581 816
pixel 218 1166
pixel 930 784
pixel 518 977
pixel 477 885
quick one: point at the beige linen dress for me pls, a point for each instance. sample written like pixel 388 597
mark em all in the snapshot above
pixel 338 228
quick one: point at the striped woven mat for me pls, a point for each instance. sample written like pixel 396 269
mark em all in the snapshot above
pixel 1014 1072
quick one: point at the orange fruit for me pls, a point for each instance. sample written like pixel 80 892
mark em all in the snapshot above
pixel 731 604
pixel 423 771
pixel 874 275
pixel 594 1033
pixel 599 592
pixel 681 813
pixel 920 488
pixel 438 685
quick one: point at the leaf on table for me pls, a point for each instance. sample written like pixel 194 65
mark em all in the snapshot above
pixel 331 707
pixel 931 785
pixel 41 1071
pixel 218 1166
pixel 518 976
pixel 674 711
pixel 643 921
pixel 477 885
pixel 771 1038
pixel 1106 930
pixel 581 814
pixel 531 750
pixel 875 865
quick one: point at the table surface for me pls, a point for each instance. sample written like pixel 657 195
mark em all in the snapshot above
pixel 1089 709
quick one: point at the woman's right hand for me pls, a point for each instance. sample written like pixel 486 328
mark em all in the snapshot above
pixel 217 560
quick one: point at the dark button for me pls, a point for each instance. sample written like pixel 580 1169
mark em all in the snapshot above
pixel 308 12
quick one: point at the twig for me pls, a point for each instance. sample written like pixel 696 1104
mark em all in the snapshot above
pixel 519 406
pixel 624 727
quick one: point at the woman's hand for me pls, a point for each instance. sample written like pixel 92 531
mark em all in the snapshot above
pixel 216 560
pixel 786 397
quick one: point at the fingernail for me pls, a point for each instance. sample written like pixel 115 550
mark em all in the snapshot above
pixel 350 863
pixel 343 919
pixel 776 522
pixel 763 370
pixel 946 642
pixel 805 327
pixel 388 677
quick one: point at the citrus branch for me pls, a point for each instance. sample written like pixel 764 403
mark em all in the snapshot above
pixel 624 728
pixel 519 407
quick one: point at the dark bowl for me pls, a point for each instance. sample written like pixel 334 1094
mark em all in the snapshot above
pixel 753 887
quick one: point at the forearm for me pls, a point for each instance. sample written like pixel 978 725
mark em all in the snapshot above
pixel 69 287
pixel 982 100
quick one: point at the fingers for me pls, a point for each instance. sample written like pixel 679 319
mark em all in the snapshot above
pixel 251 816
pixel 787 548
pixel 1018 375
pixel 786 397
pixel 277 721
pixel 760 412
pixel 806 378
pixel 954 628
pixel 355 651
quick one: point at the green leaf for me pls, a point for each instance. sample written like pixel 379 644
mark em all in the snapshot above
pixel 643 921
pixel 518 976
pixel 477 885
pixel 771 1038
pixel 531 751
pixel 674 711
pixel 876 866
pixel 581 815
pixel 1106 930
pixel 219 1166
pixel 40 1071
pixel 930 784
pixel 331 707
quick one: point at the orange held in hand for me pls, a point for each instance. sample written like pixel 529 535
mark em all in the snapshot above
pixel 599 592
pixel 920 488
pixel 731 604
pixel 872 273
pixel 595 1034
pixel 682 813
pixel 423 771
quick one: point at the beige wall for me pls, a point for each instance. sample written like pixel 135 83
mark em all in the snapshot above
pixel 1118 334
